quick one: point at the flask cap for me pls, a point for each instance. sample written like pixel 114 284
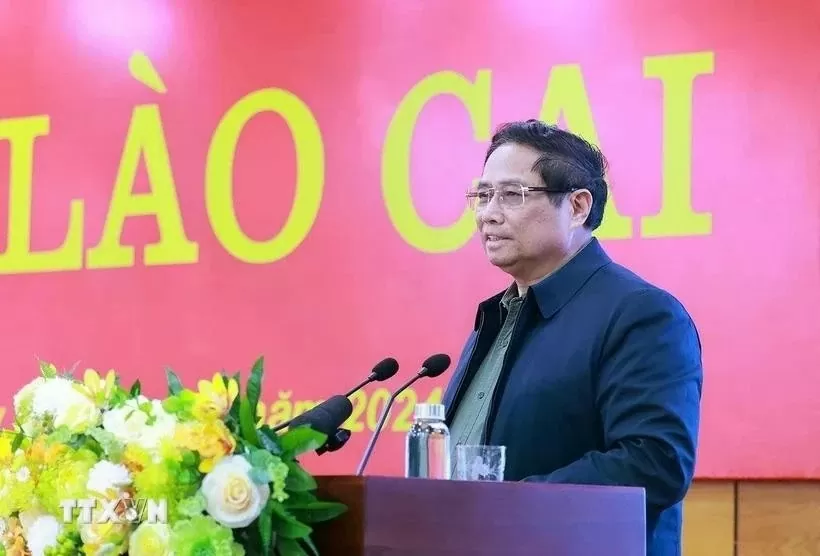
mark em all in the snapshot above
pixel 429 411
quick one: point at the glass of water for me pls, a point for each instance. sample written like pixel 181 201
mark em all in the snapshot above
pixel 480 463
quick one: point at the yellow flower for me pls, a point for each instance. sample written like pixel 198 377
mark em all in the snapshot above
pixel 214 399
pixel 46 453
pixel 97 389
pixel 211 439
pixel 135 458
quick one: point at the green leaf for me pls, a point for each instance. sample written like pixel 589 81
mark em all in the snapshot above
pixel 301 439
pixel 173 404
pixel 108 443
pixel 17 442
pixel 265 525
pixel 247 423
pixel 270 440
pixel 174 385
pixel 234 411
pixel 135 390
pixel 47 370
pixel 290 547
pixel 119 397
pixel 298 479
pixel 309 542
pixel 287 526
pixel 318 511
pixel 254 388
pixel 299 498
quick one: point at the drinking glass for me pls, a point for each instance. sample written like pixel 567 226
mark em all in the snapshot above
pixel 480 463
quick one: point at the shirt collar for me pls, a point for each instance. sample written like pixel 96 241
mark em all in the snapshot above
pixel 510 294
pixel 555 290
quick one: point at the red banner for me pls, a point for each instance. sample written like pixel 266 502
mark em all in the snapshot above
pixel 197 185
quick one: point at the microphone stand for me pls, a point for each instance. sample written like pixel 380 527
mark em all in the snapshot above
pixel 361 385
pixel 385 412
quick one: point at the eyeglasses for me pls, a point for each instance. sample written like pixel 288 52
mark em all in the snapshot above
pixel 508 196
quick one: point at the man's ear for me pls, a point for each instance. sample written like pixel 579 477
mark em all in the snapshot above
pixel 580 205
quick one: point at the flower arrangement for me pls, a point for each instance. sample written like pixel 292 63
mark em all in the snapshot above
pixel 87 457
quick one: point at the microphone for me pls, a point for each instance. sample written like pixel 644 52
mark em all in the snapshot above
pixel 326 418
pixel 383 370
pixel 432 367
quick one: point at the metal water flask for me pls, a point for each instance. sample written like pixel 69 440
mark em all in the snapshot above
pixel 427 445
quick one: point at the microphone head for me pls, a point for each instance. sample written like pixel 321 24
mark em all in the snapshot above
pixel 385 369
pixel 326 417
pixel 435 365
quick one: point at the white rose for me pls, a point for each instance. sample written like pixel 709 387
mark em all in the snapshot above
pixel 150 539
pixel 42 533
pixel 105 476
pixel 231 497
pixel 130 424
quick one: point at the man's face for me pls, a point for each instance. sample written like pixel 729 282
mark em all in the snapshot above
pixel 524 240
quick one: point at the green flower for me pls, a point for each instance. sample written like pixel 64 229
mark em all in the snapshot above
pixel 193 505
pixel 66 479
pixel 268 468
pixel 181 405
pixel 68 543
pixel 202 536
pixel 167 480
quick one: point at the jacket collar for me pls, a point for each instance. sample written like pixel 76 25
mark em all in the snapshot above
pixel 555 291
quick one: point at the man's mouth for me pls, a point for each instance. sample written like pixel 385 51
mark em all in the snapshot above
pixel 494 241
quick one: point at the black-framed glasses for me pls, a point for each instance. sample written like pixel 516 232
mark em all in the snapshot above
pixel 508 196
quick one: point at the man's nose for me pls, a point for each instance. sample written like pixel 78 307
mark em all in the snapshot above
pixel 491 212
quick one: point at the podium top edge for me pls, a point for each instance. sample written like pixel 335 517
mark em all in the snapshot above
pixel 501 484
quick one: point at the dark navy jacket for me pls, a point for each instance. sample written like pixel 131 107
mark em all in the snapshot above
pixel 601 385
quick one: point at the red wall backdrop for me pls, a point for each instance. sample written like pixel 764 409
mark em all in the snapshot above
pixel 210 182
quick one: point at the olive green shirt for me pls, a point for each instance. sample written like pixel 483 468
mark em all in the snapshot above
pixel 471 416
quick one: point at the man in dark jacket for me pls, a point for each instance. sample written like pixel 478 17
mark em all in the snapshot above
pixel 587 373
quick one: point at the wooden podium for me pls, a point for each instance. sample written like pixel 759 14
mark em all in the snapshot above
pixel 421 517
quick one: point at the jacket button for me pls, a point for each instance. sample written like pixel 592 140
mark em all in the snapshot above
pixel 481 395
